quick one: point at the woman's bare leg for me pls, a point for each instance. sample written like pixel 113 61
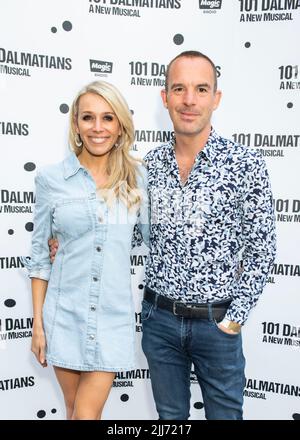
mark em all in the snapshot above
pixel 92 393
pixel 68 381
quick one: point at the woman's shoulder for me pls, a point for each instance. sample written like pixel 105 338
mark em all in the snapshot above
pixel 141 167
pixel 57 170
pixel 142 173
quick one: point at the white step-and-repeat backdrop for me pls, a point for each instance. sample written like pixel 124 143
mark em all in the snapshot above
pixel 48 51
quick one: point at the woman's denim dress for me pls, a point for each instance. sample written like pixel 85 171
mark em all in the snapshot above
pixel 88 313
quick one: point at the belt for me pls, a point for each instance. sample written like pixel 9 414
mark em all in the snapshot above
pixel 188 310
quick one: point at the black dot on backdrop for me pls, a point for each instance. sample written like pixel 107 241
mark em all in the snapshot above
pixel 10 303
pixel 67 26
pixel 54 30
pixel 10 232
pixel 29 166
pixel 53 410
pixel 198 405
pixel 290 105
pixel 124 397
pixel 296 416
pixel 64 108
pixel 178 39
pixel 132 112
pixel 247 45
pixel 141 286
pixel 29 226
pixel 41 414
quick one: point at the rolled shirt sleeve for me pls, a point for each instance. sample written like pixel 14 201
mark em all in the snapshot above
pixel 40 265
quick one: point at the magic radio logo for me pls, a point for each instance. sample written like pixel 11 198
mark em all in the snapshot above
pixel 210 6
pixel 101 68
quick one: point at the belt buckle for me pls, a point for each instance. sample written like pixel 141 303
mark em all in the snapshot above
pixel 174 307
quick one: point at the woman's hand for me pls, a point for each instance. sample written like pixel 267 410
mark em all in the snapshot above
pixel 38 345
pixel 53 247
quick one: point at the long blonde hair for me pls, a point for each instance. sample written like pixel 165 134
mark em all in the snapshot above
pixel 121 166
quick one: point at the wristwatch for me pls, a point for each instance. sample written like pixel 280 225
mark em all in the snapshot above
pixel 231 325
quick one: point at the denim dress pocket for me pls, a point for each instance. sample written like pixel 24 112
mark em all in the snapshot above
pixel 73 217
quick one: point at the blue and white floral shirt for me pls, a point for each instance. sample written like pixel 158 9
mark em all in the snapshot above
pixel 212 238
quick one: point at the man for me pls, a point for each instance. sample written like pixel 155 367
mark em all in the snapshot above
pixel 212 244
pixel 211 248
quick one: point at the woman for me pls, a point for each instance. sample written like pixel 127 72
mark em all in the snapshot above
pixel 82 304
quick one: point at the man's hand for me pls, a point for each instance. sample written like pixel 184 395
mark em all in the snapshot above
pixel 230 327
pixel 53 246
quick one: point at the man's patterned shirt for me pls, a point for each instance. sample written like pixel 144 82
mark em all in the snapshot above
pixel 212 238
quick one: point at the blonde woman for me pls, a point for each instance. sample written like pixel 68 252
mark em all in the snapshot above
pixel 91 202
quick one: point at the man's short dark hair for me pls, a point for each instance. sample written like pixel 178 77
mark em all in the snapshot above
pixel 193 54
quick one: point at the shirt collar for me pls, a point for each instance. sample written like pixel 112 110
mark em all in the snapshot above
pixel 211 147
pixel 71 165
pixel 209 150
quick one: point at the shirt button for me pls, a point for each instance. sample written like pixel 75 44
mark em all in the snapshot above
pixel 93 308
pixel 98 248
pixel 92 337
pixel 100 219
pixel 95 279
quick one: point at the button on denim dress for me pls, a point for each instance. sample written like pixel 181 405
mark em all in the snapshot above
pixel 88 313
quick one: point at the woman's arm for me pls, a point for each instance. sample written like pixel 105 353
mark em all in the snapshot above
pixel 38 343
pixel 40 266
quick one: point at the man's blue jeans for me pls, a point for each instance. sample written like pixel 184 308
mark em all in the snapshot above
pixel 171 344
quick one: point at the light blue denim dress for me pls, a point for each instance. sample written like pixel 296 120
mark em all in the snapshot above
pixel 88 313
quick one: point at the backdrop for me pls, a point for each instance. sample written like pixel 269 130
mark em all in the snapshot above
pixel 48 51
